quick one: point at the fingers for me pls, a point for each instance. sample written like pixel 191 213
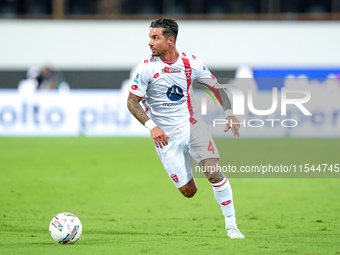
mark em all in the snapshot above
pixel 161 141
pixel 165 141
pixel 235 128
pixel 234 125
pixel 235 131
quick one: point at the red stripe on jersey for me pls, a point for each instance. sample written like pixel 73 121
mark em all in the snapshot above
pixel 135 95
pixel 188 72
pixel 216 186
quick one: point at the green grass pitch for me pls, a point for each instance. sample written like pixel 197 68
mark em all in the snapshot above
pixel 128 205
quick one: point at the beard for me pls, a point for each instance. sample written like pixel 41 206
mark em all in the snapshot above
pixel 155 53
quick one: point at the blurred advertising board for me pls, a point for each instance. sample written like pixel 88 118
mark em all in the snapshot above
pixel 83 112
pixel 104 112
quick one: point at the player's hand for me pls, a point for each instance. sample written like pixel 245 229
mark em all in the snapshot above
pixel 159 137
pixel 234 125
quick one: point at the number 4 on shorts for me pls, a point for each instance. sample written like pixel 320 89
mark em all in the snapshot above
pixel 211 147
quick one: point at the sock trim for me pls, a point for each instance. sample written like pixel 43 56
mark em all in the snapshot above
pixel 220 185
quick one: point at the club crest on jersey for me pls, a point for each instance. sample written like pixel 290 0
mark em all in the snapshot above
pixel 188 72
pixel 175 93
pixel 171 70
pixel 174 177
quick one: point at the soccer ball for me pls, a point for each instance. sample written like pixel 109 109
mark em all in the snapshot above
pixel 65 228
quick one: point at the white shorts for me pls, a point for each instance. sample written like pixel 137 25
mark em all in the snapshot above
pixel 177 157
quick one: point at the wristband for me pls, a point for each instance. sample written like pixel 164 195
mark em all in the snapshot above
pixel 150 124
pixel 228 113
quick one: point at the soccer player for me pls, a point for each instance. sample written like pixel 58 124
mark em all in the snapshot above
pixel 162 83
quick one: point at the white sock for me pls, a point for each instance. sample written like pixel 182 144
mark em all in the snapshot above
pixel 224 197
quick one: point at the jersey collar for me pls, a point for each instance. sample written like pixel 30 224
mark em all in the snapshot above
pixel 173 62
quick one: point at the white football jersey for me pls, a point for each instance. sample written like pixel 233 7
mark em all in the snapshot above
pixel 165 89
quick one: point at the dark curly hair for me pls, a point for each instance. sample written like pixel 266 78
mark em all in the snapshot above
pixel 170 27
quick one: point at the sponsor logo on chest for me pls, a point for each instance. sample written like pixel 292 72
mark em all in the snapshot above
pixel 171 70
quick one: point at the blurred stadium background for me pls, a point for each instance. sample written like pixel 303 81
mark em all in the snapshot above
pixel 81 53
pixel 94 45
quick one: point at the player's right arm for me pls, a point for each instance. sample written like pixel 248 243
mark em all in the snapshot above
pixel 136 109
pixel 159 137
pixel 137 91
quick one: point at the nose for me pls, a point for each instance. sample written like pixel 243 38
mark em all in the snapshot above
pixel 150 42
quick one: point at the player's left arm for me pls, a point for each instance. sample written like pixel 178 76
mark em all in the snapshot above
pixel 233 122
pixel 206 78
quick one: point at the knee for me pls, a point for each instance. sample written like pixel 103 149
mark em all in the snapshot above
pixel 189 192
pixel 189 189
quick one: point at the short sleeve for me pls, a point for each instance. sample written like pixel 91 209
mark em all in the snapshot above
pixel 141 81
pixel 204 75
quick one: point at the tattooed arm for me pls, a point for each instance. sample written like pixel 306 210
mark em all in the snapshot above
pixel 136 109
pixel 159 137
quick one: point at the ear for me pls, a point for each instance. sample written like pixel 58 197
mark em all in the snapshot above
pixel 171 40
